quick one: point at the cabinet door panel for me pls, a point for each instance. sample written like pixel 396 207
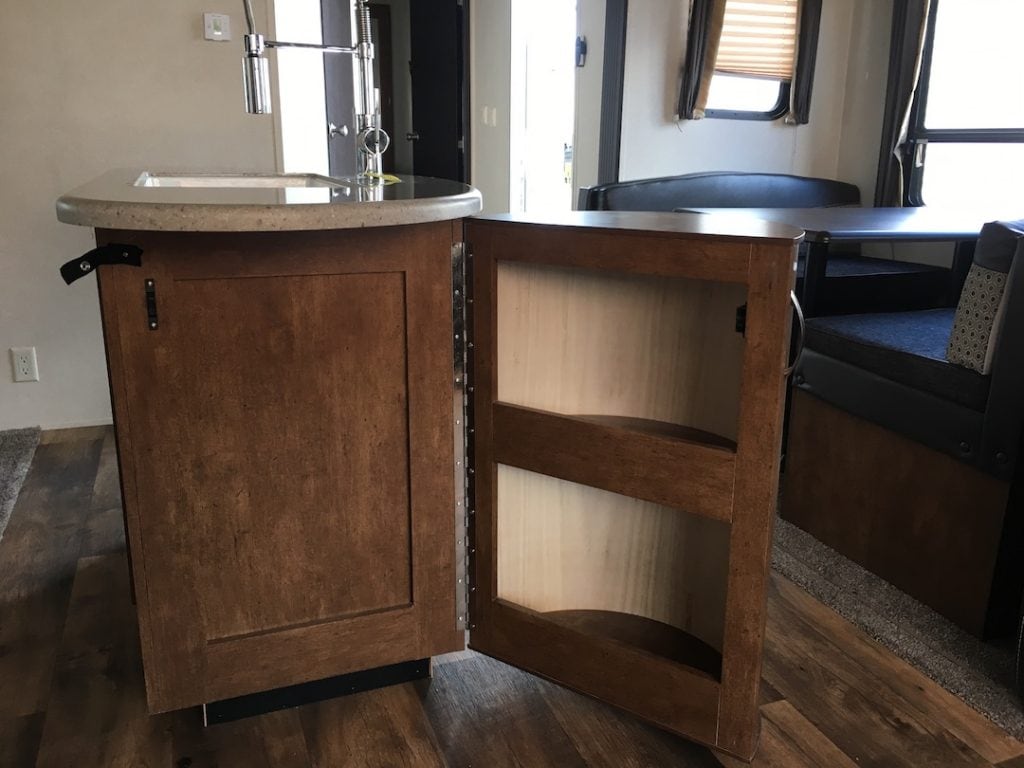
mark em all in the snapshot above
pixel 626 457
pixel 286 437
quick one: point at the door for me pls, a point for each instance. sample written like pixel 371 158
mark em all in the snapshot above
pixel 339 71
pixel 285 433
pixel 626 459
pixel 439 88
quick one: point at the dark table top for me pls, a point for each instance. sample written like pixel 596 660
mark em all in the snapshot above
pixel 824 225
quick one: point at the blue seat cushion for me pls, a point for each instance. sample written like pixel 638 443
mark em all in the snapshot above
pixel 906 347
pixel 846 265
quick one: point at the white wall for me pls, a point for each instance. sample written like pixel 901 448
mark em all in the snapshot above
pixel 654 143
pixel 864 107
pixel 85 87
pixel 490 100
pixel 589 82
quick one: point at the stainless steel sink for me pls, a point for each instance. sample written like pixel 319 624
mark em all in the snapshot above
pixel 235 180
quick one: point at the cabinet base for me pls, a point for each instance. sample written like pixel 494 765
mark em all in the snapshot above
pixel 226 710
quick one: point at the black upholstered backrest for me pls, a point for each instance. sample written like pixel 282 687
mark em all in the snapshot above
pixel 1004 416
pixel 721 189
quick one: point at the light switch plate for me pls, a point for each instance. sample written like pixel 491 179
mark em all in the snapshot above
pixel 216 26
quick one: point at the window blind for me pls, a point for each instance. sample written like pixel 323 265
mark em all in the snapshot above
pixel 758 38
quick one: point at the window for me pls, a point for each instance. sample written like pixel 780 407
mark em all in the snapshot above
pixel 966 135
pixel 755 58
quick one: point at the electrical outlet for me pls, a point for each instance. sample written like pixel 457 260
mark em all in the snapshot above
pixel 23 361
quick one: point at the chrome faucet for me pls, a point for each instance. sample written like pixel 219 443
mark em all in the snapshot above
pixel 370 138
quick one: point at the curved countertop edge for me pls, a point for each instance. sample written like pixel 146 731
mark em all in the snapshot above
pixel 216 217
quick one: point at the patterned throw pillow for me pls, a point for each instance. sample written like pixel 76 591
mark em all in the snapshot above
pixel 977 314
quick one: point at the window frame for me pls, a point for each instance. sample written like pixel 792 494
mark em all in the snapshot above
pixel 915 150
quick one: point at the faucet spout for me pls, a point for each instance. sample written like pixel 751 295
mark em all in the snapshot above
pixel 371 139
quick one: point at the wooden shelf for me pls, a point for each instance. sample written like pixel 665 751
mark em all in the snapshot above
pixel 649 635
pixel 663 428
pixel 694 476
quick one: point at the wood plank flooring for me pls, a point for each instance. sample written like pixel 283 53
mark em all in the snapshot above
pixel 71 689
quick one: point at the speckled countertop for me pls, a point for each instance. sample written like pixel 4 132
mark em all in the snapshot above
pixel 201 202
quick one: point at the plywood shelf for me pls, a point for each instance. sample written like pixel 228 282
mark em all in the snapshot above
pixel 664 428
pixel 645 634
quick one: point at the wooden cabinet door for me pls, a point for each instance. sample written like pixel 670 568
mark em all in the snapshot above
pixel 626 458
pixel 286 446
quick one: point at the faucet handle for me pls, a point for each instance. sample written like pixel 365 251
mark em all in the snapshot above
pixel 334 131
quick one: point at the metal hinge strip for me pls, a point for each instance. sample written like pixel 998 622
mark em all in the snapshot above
pixel 461 417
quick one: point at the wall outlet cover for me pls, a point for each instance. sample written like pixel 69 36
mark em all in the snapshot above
pixel 23 364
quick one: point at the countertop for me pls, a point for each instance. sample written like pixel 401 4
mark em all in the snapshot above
pixel 115 201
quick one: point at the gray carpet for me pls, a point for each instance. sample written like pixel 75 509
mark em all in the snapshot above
pixel 979 673
pixel 17 446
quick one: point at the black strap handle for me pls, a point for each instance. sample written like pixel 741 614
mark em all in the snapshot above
pixel 112 253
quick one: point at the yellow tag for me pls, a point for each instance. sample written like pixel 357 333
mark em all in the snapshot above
pixel 386 177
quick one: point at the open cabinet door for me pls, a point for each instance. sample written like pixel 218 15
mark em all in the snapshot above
pixel 627 414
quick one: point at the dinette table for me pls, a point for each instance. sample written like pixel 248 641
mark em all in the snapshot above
pixel 828 226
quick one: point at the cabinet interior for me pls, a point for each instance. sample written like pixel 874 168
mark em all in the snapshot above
pixel 639 353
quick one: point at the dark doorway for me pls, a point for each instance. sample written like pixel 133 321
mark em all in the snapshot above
pixel 439 46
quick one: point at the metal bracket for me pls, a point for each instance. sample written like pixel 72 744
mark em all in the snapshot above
pixel 151 318
pixel 112 253
pixel 463 415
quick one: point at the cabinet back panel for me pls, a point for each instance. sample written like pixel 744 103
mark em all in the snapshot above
pixel 566 547
pixel 583 342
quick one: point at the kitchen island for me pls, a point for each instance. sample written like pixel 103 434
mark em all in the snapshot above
pixel 345 417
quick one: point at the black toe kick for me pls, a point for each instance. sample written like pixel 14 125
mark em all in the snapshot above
pixel 317 690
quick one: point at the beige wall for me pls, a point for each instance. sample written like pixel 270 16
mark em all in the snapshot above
pixel 490 76
pixel 654 143
pixel 589 82
pixel 84 87
pixel 864 105
pixel 90 86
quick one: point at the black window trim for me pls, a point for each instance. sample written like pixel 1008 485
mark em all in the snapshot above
pixel 918 136
pixel 780 109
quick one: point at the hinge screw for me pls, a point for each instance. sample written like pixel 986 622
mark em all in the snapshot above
pixel 85 266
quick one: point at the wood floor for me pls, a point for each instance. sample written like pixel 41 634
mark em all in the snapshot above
pixel 71 691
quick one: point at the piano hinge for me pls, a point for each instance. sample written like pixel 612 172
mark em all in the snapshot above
pixel 741 319
pixel 462 264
